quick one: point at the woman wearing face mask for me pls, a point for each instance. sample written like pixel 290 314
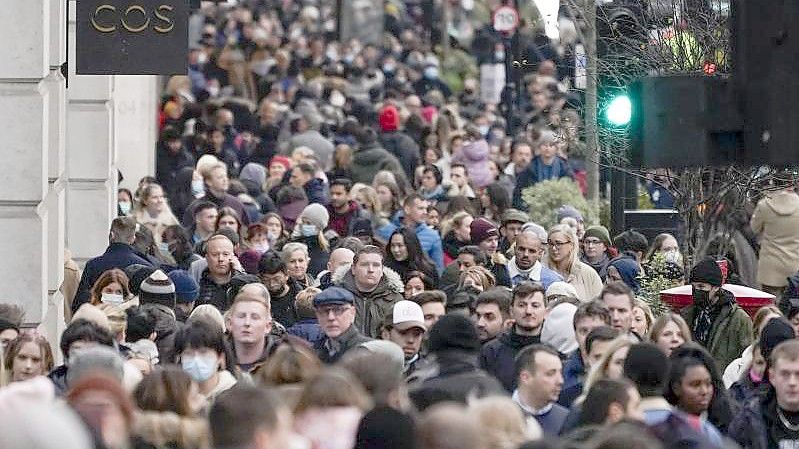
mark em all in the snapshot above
pixel 124 202
pixel 205 357
pixel 275 230
pixel 310 231
pixel 154 213
pixel 110 288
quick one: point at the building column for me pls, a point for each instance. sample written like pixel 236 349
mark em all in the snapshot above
pixel 136 126
pixel 31 200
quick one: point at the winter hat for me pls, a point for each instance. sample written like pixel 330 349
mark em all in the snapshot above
pixel 389 119
pixel 186 288
pixel 629 270
pixel 137 273
pixel 362 227
pixel 706 271
pixel 775 331
pixel 599 232
pixel 91 313
pixel 482 229
pixel 453 332
pixel 560 288
pixel 249 260
pixel 648 367
pixel 157 288
pixel 567 211
pixel 385 428
pixel 282 160
pixel 558 330
pixel 316 214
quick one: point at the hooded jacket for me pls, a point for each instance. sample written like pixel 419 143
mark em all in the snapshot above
pixel 372 307
pixel 776 218
pixel 428 238
pixel 730 331
pixel 369 159
pixel 475 157
pixel 498 357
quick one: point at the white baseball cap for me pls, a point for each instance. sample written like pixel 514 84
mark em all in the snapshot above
pixel 407 315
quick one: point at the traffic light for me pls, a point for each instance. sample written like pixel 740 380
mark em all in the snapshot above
pixel 619 110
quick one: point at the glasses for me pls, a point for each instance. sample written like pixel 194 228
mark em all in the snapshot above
pixel 337 310
pixel 592 242
pixel 558 245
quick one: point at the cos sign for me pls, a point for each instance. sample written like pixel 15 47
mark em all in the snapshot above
pixel 134 37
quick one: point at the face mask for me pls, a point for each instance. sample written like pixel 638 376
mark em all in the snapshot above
pixel 261 68
pixel 674 257
pixel 336 99
pixel 431 73
pixel 112 298
pixel 198 187
pixel 483 129
pixel 202 58
pixel 308 230
pixel 124 206
pixel 701 298
pixel 261 247
pixel 213 91
pixel 163 247
pixel 200 368
pixel 388 68
pixel 272 236
pixel 499 56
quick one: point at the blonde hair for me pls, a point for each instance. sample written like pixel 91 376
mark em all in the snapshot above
pixel 478 273
pixel 502 423
pixel 369 196
pixel 208 314
pixel 571 234
pixel 600 370
pixel 453 222
pixel 648 315
pixel 663 320
pixel 290 364
pixel 333 387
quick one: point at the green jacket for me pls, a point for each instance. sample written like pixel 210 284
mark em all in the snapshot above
pixel 730 333
pixel 371 308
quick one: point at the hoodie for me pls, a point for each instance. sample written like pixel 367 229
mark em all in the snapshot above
pixel 372 307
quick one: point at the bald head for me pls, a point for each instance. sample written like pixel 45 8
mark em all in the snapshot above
pixel 340 257
pixel 528 250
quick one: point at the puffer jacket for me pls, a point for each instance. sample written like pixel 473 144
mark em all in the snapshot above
pixel 168 430
pixel 475 157
pixel 730 333
pixel 371 308
pixel 370 159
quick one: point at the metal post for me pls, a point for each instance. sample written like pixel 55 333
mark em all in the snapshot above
pixel 617 184
pixel 591 140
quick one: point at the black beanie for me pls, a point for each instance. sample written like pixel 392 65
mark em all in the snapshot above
pixel 137 273
pixel 453 332
pixel 385 428
pixel 776 331
pixel 648 367
pixel 706 271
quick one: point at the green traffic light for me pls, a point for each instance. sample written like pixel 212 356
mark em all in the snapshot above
pixel 619 111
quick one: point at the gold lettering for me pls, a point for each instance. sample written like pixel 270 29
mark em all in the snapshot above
pixel 140 28
pixel 99 27
pixel 169 21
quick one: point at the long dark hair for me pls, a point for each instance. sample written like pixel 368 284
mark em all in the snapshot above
pixel 182 249
pixel 722 408
pixel 417 258
pixel 498 197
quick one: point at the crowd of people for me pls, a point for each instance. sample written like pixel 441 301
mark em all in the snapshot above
pixel 335 253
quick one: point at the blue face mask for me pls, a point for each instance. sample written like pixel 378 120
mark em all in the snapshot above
pixel 124 206
pixel 200 367
pixel 198 187
pixel 308 230
pixel 163 247
pixel 431 73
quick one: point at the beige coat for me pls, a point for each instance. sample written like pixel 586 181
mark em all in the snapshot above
pixel 584 279
pixel 158 224
pixel 776 219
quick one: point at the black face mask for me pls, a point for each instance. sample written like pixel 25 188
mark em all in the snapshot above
pixel 701 298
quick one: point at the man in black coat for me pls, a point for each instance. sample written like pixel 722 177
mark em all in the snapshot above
pixel 171 156
pixel 119 254
pixel 335 311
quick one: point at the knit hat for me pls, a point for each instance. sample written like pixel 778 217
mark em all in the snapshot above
pixel 648 367
pixel 389 119
pixel 157 288
pixel 558 330
pixel 137 273
pixel 362 227
pixel 560 288
pixel 567 211
pixel 482 229
pixel 316 214
pixel 186 288
pixel 249 260
pixel 385 428
pixel 776 330
pixel 453 332
pixel 599 232
pixel 706 271
pixel 282 160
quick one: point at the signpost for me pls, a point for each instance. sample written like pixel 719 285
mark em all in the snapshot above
pixel 135 37
pixel 506 19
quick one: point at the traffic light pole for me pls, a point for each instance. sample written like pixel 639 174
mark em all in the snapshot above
pixel 591 140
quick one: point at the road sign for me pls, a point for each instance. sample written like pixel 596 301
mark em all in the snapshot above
pixel 506 19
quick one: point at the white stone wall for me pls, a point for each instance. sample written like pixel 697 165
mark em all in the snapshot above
pixel 135 126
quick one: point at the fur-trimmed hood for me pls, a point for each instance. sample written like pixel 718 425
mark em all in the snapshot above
pixel 391 282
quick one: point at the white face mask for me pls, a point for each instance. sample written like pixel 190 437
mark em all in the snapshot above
pixel 674 257
pixel 198 187
pixel 124 206
pixel 112 298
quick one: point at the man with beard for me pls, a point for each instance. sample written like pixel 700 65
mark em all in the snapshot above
pixel 343 211
pixel 273 273
pixel 491 311
pixel 528 309
pixel 525 264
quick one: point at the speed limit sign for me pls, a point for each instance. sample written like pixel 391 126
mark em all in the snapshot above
pixel 506 19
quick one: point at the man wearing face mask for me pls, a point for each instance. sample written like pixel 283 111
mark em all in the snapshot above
pixel 430 81
pixel 718 323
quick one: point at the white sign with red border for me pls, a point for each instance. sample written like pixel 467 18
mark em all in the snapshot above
pixel 506 19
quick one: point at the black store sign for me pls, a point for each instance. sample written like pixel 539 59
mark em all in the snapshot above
pixel 132 37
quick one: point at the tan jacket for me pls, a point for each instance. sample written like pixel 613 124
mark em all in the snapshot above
pixel 69 287
pixel 584 279
pixel 167 430
pixel 158 224
pixel 776 219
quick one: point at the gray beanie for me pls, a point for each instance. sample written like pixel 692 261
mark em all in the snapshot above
pixel 317 215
